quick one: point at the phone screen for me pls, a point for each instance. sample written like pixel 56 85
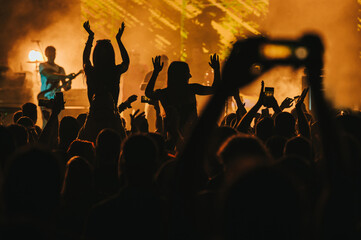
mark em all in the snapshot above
pixel 283 51
pixel 269 91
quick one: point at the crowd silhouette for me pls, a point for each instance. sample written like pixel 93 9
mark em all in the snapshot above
pixel 282 175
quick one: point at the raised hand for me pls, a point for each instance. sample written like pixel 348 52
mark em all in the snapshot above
pixel 261 95
pixel 86 26
pixel 300 100
pixel 120 31
pixel 287 103
pixel 273 102
pixel 157 65
pixel 138 121
pixel 214 62
pixel 132 98
pixel 136 116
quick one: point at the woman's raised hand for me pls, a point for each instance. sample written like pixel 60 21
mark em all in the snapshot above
pixel 214 62
pixel 120 31
pixel 86 26
pixel 157 65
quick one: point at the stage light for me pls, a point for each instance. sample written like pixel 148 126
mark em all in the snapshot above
pixel 274 51
pixel 35 56
pixel 301 52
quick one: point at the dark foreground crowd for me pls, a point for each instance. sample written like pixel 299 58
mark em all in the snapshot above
pixel 288 175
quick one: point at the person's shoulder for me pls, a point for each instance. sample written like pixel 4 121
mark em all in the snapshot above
pixel 58 66
pixel 61 69
pixel 43 65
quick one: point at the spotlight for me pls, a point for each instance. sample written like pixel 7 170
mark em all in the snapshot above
pixel 301 52
pixel 276 51
pixel 35 56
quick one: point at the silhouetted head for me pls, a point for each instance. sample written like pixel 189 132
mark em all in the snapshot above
pixel 220 135
pixel 30 110
pixel 68 131
pixel 20 134
pixel 78 181
pixel 276 145
pixel 300 171
pixel 242 152
pixel 17 115
pixel 139 159
pixel 26 122
pixel 178 74
pixel 50 53
pixel 32 183
pixel 262 204
pixel 301 147
pixel 81 119
pixel 103 54
pixel 265 128
pixel 83 149
pixel 107 147
pixel 285 125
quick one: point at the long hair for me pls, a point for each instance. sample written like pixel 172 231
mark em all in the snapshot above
pixel 103 54
pixel 178 74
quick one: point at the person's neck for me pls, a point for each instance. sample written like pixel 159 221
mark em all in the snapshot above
pixel 51 62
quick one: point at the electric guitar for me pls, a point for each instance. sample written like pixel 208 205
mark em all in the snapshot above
pixel 54 88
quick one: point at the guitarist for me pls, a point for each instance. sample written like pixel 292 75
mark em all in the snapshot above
pixel 52 75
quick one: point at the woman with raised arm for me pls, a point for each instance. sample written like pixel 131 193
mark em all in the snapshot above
pixel 179 97
pixel 104 74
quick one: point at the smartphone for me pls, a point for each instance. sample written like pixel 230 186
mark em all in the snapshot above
pixel 269 91
pixel 283 51
pixel 259 54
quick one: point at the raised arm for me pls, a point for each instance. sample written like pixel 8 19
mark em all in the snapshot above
pixel 274 105
pixel 149 90
pixel 303 127
pixel 286 103
pixel 214 63
pixel 88 45
pixel 127 103
pixel 245 123
pixel 50 133
pixel 123 52
pixel 206 90
pixel 241 110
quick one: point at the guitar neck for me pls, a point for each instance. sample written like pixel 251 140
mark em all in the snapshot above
pixel 58 88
